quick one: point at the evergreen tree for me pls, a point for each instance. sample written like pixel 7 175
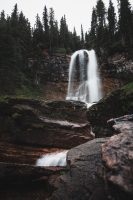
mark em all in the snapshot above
pixel 111 21
pixel 101 35
pixel 46 27
pixel 100 12
pixel 76 40
pixel 24 37
pixel 64 33
pixel 125 21
pixel 51 29
pixel 82 37
pixel 56 35
pixel 38 38
pixel 91 38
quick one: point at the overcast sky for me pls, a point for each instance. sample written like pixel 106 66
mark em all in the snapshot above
pixel 77 11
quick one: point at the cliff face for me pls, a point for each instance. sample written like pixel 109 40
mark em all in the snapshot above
pixel 116 71
pixel 50 69
pixel 53 73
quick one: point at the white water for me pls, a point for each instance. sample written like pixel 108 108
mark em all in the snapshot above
pixel 88 87
pixel 53 159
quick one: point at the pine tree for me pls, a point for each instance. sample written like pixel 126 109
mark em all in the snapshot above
pixel 91 39
pixel 101 35
pixel 125 21
pixel 38 37
pixel 76 40
pixel 56 35
pixel 51 29
pixel 24 37
pixel 100 12
pixel 46 27
pixel 14 19
pixel 111 21
pixel 64 33
pixel 82 37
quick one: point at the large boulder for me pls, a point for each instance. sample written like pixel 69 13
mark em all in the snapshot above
pixel 61 124
pixel 117 154
pixel 82 182
pixel 115 104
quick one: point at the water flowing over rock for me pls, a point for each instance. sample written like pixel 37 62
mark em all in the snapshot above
pixel 53 159
pixel 84 82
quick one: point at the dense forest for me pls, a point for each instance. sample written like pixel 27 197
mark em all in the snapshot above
pixel 19 42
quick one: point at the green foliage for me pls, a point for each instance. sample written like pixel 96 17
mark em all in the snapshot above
pixel 29 92
pixel 128 88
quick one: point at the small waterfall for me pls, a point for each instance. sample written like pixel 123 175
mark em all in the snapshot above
pixel 84 82
pixel 53 159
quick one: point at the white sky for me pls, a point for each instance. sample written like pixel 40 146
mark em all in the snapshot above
pixel 77 11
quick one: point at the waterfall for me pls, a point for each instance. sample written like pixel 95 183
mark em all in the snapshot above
pixel 84 82
pixel 53 159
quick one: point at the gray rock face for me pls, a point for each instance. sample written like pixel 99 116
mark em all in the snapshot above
pixel 117 153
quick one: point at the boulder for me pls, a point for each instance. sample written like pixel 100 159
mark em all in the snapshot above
pixel 81 182
pixel 117 154
pixel 113 105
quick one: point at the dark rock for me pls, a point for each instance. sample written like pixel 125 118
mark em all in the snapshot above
pixel 115 104
pixel 61 124
pixel 51 69
pixel 81 182
pixel 117 154
pixel 12 173
pixel 118 66
pixel 86 178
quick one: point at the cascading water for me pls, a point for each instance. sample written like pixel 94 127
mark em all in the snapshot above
pixel 84 82
pixel 53 159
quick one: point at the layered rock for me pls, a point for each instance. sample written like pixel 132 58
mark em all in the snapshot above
pixel 61 124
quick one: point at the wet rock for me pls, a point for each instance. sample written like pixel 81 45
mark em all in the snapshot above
pixel 82 182
pixel 117 154
pixel 61 124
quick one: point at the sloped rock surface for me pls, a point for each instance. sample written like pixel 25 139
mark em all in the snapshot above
pixel 117 153
pixel 82 182
pixel 61 124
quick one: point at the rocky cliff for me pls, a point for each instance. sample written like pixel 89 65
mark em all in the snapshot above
pixel 53 72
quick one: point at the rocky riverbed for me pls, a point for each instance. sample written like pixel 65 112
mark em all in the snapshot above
pixel 98 166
